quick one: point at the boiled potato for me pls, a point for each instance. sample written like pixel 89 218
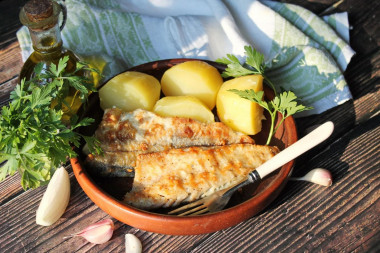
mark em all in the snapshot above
pixel 129 91
pixel 183 106
pixel 238 113
pixel 193 78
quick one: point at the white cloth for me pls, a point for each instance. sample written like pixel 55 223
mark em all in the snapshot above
pixel 304 53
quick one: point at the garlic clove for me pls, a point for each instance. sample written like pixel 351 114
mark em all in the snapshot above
pixel 55 199
pixel 318 176
pixel 132 244
pixel 97 233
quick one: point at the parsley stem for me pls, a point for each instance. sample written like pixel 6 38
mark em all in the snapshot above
pixel 270 83
pixel 271 130
pixel 279 124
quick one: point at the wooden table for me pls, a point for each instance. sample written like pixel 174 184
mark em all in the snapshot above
pixel 305 217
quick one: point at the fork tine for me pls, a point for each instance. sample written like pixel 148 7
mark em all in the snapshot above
pixel 204 210
pixel 193 211
pixel 185 207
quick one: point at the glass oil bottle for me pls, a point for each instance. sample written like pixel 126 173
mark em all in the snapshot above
pixel 42 19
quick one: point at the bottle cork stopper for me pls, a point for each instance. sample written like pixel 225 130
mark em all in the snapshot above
pixel 37 10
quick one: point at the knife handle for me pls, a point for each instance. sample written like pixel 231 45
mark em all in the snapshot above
pixel 304 144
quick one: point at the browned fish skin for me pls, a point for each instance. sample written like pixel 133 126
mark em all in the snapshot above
pixel 112 164
pixel 142 130
pixel 168 178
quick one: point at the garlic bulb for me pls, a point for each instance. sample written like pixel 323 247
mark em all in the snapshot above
pixel 318 176
pixel 132 244
pixel 97 233
pixel 55 199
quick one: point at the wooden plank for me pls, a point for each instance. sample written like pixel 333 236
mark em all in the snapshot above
pixel 10 188
pixel 80 213
pixel 363 73
pixel 363 229
pixel 314 6
pixel 9 21
pixel 304 217
pixel 307 217
pixel 5 90
pixel 370 245
pixel 363 17
pixel 11 62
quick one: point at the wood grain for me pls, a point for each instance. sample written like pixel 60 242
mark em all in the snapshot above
pixel 10 188
pixel 11 62
pixel 9 21
pixel 10 57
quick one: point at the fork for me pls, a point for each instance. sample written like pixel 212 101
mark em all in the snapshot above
pixel 216 201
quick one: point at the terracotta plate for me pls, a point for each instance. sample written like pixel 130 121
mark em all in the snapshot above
pixel 243 205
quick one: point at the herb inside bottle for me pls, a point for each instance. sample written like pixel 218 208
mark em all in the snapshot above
pixel 42 19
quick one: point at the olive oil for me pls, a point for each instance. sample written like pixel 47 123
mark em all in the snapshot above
pixel 72 98
pixel 41 18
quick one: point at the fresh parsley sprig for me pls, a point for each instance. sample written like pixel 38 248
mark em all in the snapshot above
pixel 285 103
pixel 34 140
pixel 254 65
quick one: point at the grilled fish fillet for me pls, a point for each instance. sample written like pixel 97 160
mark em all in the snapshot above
pixel 112 164
pixel 171 177
pixel 142 130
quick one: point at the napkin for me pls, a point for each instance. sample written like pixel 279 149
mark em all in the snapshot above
pixel 304 53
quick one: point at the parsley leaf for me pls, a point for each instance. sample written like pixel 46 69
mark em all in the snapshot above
pixel 234 68
pixel 285 104
pixel 254 65
pixel 34 140
pixel 255 59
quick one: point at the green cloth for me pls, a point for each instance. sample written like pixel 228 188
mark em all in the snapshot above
pixel 304 53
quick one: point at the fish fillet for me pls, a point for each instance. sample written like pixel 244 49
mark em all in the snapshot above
pixel 171 177
pixel 142 130
pixel 112 164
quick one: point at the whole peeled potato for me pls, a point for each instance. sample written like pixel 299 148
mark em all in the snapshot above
pixel 193 78
pixel 129 91
pixel 238 113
